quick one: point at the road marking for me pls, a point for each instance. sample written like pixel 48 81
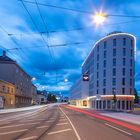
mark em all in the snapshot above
pixel 10 132
pixel 17 125
pixel 50 121
pixel 118 129
pixel 77 135
pixel 61 123
pixel 60 131
pixel 63 120
pixel 29 138
pixel 44 126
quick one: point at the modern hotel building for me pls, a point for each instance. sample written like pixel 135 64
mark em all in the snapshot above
pixel 110 66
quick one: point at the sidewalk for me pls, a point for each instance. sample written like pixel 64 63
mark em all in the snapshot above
pixel 2 111
pixel 131 118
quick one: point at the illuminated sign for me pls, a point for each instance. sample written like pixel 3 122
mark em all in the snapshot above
pixel 85 77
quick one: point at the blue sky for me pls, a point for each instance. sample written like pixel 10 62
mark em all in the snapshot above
pixel 66 61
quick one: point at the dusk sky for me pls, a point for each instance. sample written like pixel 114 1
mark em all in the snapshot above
pixel 75 30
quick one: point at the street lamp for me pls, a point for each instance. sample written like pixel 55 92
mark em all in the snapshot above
pixel 33 79
pixel 99 18
pixel 65 80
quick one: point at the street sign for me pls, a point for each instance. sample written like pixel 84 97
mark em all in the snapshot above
pixel 85 77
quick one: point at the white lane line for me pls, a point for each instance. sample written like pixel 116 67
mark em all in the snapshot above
pixel 11 132
pixel 29 138
pixel 60 131
pixel 118 129
pixel 44 126
pixel 77 135
pixel 62 120
pixel 61 123
pixel 17 125
pixel 50 121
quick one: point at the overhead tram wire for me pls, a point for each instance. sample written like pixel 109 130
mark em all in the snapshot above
pixel 79 11
pixel 46 44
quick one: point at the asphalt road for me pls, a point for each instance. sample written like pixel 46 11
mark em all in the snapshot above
pixel 58 123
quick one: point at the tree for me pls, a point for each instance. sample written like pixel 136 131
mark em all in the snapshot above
pixel 51 98
pixel 136 96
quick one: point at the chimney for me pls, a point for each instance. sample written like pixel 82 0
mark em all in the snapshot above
pixel 4 53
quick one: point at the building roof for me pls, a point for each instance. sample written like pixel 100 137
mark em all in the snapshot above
pixel 3 81
pixel 7 60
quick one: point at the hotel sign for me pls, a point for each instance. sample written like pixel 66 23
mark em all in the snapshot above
pixel 85 77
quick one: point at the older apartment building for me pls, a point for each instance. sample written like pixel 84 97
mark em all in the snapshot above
pixel 11 72
pixel 110 66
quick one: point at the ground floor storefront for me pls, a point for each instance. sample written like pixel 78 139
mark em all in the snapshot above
pixel 107 102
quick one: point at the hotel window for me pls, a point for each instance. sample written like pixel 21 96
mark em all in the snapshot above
pixel 113 90
pixel 97 83
pixel 104 82
pixel 114 81
pixel 104 63
pixel 123 71
pixel 114 72
pixel 104 91
pixel 104 73
pixel 123 90
pixel 123 81
pixel 123 61
pixel 104 54
pixel 114 42
pixel 124 51
pixel 131 73
pixel 124 41
pixel 97 57
pixel 114 52
pixel 104 44
pixel 114 61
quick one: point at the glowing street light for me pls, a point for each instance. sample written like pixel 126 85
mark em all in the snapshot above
pixel 65 80
pixel 33 79
pixel 99 18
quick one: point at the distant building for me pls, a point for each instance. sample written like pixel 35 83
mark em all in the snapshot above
pixel 34 94
pixel 7 94
pixel 41 98
pixel 11 72
pixel 111 68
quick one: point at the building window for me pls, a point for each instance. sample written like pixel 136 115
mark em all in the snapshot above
pixel 97 66
pixel 97 75
pixel 8 89
pixel 97 57
pixel 114 72
pixel 124 51
pixel 97 83
pixel 131 52
pixel 97 91
pixel 124 41
pixel 3 88
pixel 98 48
pixel 130 82
pixel 123 90
pixel 130 91
pixel 104 63
pixel 123 81
pixel 131 43
pixel 114 42
pixel 123 71
pixel 114 81
pixel 104 82
pixel 104 44
pixel 113 90
pixel 131 73
pixel 104 73
pixel 104 54
pixel 104 91
pixel 114 61
pixel 114 52
pixel 123 61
